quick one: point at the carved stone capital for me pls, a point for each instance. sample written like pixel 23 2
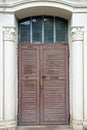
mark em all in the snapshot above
pixel 9 34
pixel 77 33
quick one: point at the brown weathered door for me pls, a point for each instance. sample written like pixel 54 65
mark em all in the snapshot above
pixel 43 84
pixel 54 91
pixel 28 85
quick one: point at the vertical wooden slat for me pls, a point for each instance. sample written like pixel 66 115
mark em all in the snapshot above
pixel 67 82
pixel 41 87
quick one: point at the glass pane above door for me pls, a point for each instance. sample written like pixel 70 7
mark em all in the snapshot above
pixel 24 32
pixel 36 29
pixel 61 30
pixel 48 30
pixel 43 29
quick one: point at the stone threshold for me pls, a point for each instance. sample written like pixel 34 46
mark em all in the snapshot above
pixel 45 127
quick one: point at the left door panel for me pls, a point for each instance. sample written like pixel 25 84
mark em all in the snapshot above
pixel 28 84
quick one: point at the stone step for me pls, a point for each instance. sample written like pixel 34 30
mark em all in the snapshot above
pixel 45 127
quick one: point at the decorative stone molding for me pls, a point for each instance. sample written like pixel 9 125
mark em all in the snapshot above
pixel 77 124
pixel 78 127
pixel 85 124
pixel 8 125
pixel 77 33
pixel 9 34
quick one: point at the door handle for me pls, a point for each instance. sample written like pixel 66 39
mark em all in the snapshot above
pixel 41 83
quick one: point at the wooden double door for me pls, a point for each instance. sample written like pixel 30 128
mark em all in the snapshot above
pixel 43 84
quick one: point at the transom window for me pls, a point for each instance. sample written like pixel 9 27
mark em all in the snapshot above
pixel 43 29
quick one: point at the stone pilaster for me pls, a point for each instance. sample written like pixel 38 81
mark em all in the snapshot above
pixel 9 38
pixel 77 37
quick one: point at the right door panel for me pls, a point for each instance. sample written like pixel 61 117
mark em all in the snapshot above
pixel 54 84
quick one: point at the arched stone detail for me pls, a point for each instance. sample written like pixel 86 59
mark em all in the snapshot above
pixel 33 8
